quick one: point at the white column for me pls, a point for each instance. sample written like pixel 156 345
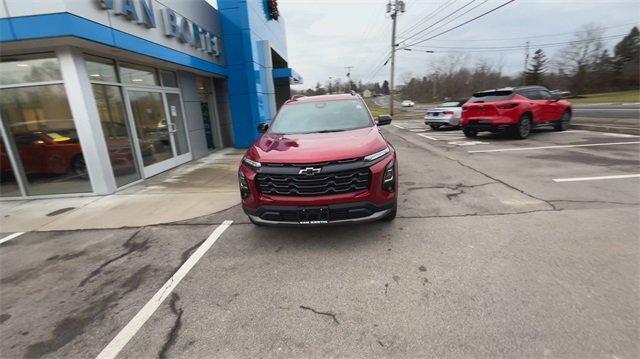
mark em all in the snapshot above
pixel 87 120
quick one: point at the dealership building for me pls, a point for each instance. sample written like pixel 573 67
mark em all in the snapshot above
pixel 97 95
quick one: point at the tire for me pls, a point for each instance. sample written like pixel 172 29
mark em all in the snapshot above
pixel 564 123
pixel 78 166
pixel 523 128
pixel 435 127
pixel 471 133
pixel 391 215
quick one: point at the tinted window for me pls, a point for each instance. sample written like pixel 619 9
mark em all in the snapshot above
pixel 452 104
pixel 531 94
pixel 490 96
pixel 544 94
pixel 329 116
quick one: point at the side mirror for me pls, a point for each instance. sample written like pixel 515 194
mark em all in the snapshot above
pixel 383 120
pixel 263 127
pixel 556 96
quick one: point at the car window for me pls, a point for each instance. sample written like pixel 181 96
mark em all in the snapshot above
pixel 544 94
pixel 490 96
pixel 328 116
pixel 531 94
pixel 452 104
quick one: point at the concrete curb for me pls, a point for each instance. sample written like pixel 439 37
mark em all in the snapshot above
pixel 606 128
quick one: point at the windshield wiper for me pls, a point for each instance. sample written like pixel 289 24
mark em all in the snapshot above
pixel 327 131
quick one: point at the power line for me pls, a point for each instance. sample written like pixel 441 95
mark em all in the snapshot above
pixel 515 46
pixel 437 22
pixel 531 37
pixel 462 24
pixel 419 22
pixel 453 19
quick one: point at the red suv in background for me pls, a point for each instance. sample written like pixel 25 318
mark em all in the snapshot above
pixel 322 160
pixel 516 110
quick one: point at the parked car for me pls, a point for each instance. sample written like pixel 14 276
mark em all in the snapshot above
pixel 516 110
pixel 407 103
pixel 447 114
pixel 322 160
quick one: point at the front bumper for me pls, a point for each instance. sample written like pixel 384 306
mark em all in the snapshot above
pixel 345 213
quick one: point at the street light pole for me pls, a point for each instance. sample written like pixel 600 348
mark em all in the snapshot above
pixel 393 8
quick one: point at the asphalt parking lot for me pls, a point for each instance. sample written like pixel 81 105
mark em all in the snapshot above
pixel 501 248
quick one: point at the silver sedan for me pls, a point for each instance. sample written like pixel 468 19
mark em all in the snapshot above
pixel 447 114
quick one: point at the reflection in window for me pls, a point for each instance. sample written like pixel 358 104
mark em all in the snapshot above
pixel 100 69
pixel 138 75
pixel 116 133
pixel 8 185
pixel 39 123
pixel 151 126
pixel 22 69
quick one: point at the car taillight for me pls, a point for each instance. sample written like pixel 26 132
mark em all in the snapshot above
pixel 506 106
pixel 448 112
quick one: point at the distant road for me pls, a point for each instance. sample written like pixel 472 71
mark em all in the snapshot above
pixel 631 111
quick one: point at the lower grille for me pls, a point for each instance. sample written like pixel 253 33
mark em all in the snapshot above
pixel 316 185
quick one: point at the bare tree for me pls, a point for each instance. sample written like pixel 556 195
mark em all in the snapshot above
pixel 576 57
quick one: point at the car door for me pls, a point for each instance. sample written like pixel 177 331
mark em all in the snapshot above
pixel 552 109
pixel 536 106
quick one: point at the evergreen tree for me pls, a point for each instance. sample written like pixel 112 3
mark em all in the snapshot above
pixel 385 87
pixel 626 62
pixel 535 72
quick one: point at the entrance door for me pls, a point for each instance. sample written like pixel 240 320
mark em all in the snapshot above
pixel 161 140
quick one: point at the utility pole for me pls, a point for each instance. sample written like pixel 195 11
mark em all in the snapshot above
pixel 330 80
pixel 348 68
pixel 526 63
pixel 393 8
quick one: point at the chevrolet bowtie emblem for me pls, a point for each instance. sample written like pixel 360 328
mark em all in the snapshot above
pixel 310 171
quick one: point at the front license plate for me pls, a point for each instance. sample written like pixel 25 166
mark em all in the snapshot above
pixel 314 215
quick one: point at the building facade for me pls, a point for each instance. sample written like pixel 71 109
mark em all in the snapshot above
pixel 96 95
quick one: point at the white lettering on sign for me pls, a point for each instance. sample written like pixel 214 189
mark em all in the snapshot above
pixel 175 25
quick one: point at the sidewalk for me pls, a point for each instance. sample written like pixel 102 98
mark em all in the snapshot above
pixel 197 188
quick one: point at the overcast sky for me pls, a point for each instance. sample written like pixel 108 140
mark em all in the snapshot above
pixel 324 36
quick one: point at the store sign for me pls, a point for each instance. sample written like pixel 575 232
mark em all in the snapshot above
pixel 175 26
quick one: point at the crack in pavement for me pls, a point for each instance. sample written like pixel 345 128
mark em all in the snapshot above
pixel 453 188
pixel 172 336
pixel 595 201
pixel 330 314
pixel 129 245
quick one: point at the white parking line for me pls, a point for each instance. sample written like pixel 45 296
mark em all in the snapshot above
pixel 619 135
pixel 552 147
pixel 123 337
pixel 425 136
pixel 576 179
pixel 10 237
pixel 398 126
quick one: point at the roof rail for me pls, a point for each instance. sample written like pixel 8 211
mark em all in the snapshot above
pixel 295 97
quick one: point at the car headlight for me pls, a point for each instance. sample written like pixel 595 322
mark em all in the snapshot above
pixel 251 163
pixel 388 177
pixel 244 186
pixel 375 156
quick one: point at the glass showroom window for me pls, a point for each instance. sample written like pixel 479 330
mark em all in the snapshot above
pixel 39 127
pixel 138 75
pixel 117 133
pixel 8 184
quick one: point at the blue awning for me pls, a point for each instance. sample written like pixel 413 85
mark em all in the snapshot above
pixel 287 72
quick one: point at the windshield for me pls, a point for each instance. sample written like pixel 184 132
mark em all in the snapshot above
pixel 490 96
pixel 328 116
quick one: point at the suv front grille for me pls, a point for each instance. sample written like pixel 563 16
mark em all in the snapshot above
pixel 316 185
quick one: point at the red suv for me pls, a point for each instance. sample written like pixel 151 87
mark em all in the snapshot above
pixel 516 110
pixel 322 160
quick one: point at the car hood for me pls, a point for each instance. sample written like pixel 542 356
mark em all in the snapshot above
pixel 317 147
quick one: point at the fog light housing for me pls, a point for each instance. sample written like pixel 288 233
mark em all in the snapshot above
pixel 389 177
pixel 245 192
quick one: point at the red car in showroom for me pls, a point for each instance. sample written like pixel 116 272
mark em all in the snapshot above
pixel 322 160
pixel 516 110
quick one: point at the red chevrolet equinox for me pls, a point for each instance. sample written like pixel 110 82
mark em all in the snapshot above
pixel 322 160
pixel 516 110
